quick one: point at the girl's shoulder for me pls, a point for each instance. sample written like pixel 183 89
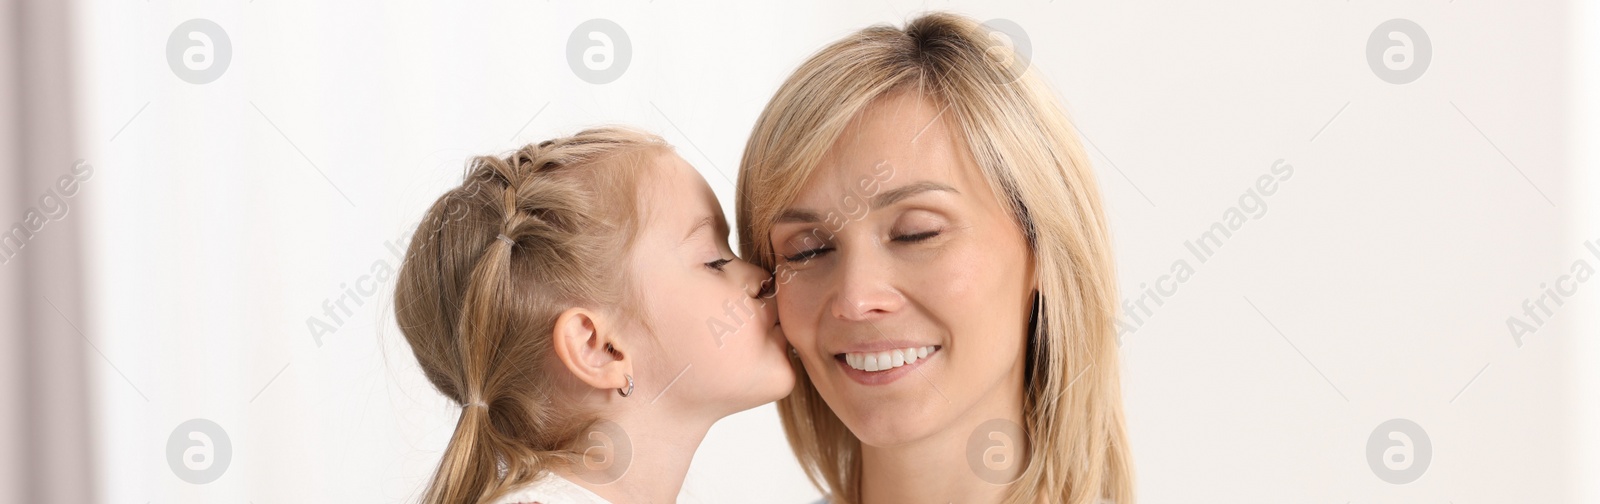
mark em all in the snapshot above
pixel 551 488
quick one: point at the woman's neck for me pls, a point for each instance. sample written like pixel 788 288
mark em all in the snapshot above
pixel 661 450
pixel 940 467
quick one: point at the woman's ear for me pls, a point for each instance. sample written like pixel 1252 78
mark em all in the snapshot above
pixel 588 346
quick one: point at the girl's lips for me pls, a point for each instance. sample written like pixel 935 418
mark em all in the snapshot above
pixel 882 376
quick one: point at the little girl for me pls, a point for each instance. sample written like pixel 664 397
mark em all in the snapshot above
pixel 579 300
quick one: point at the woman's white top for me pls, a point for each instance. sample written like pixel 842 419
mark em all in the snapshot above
pixel 551 489
pixel 1102 501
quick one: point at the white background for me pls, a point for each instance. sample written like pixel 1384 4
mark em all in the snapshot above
pixel 221 216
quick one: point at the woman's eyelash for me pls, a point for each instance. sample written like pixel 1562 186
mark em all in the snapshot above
pixel 807 255
pixel 718 264
pixel 915 237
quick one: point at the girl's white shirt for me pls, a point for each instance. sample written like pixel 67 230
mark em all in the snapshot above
pixel 551 489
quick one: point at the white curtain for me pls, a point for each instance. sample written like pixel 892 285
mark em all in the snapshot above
pixel 45 349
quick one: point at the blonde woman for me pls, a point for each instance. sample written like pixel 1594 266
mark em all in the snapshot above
pixel 579 300
pixel 943 274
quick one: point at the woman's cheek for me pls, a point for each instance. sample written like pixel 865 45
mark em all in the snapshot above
pixel 796 318
pixel 794 326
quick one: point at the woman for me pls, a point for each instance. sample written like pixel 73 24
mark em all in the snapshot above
pixel 579 300
pixel 942 271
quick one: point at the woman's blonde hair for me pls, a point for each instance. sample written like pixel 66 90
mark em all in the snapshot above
pixel 1031 157
pixel 491 266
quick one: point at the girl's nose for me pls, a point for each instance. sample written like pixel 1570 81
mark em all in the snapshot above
pixel 754 279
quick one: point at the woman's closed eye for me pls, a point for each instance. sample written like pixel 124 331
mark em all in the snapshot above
pixel 718 264
pixel 815 252
pixel 915 237
pixel 808 254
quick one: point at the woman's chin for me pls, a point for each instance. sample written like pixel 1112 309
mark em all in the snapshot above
pixel 889 428
pixel 887 434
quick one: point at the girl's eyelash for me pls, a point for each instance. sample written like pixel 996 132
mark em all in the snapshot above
pixel 718 264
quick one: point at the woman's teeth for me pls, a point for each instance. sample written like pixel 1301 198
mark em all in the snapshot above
pixel 880 361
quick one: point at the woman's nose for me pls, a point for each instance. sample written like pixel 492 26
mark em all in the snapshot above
pixel 865 290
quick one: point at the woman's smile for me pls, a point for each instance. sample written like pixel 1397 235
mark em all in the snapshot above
pixel 871 366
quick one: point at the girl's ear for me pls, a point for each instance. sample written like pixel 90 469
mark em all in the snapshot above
pixel 588 346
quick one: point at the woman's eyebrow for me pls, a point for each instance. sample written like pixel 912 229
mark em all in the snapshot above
pixel 891 196
pixel 798 215
pixel 881 200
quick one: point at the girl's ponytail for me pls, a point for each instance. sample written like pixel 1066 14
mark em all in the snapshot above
pixel 467 469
